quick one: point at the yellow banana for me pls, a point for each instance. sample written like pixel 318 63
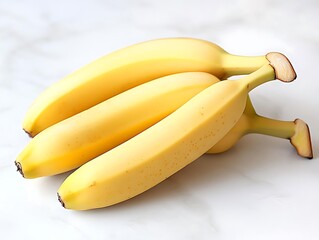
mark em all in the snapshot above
pixel 127 68
pixel 161 150
pixel 250 122
pixel 76 140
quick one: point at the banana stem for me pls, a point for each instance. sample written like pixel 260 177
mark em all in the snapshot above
pixel 272 127
pixel 264 74
pixel 284 70
pixel 296 131
pixel 241 65
pixel 278 67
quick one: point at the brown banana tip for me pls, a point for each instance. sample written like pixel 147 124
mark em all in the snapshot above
pixel 60 200
pixel 301 139
pixel 19 167
pixel 27 132
pixel 284 70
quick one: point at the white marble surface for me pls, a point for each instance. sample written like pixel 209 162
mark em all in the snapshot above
pixel 259 190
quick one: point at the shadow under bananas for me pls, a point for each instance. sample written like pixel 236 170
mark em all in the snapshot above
pixel 49 185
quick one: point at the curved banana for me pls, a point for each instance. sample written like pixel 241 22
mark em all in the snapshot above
pixel 166 147
pixel 127 68
pixel 76 140
pixel 112 122
pixel 250 122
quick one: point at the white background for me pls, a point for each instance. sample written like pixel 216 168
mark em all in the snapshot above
pixel 261 189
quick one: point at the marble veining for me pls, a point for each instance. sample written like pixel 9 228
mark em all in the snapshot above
pixel 260 189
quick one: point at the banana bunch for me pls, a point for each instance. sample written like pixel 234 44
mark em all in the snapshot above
pixel 136 116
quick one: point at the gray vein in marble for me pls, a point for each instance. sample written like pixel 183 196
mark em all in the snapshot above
pixel 65 222
pixel 258 190
pixel 197 205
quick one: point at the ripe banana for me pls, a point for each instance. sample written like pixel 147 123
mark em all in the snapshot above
pixel 127 68
pixel 158 152
pixel 250 122
pixel 90 133
pixel 78 139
